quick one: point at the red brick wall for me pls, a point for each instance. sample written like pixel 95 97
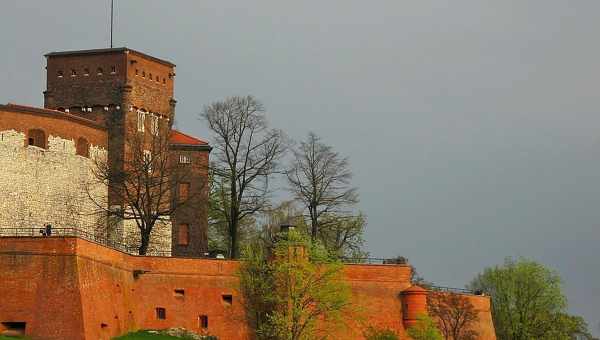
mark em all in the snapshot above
pixel 66 288
pixel 22 119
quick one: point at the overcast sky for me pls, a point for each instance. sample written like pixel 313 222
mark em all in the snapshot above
pixel 473 127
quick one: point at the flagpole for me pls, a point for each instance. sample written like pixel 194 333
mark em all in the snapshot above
pixel 111 23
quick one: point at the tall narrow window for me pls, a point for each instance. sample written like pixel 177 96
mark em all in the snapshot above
pixel 203 321
pixel 184 191
pixel 83 147
pixel 154 125
pixel 161 313
pixel 141 121
pixel 36 137
pixel 183 237
pixel 148 160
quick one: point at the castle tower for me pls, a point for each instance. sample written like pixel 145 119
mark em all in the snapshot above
pixel 132 94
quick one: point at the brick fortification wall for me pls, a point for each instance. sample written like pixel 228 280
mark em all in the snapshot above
pixel 72 289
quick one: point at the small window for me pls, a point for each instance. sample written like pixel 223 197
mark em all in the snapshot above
pixel 227 299
pixel 154 127
pixel 83 147
pixel 183 236
pixel 179 292
pixel 150 76
pixel 86 72
pixel 203 321
pixel 99 71
pixel 164 81
pixel 17 327
pixel 183 191
pixel 141 121
pixel 113 70
pixel 148 160
pixel 36 137
pixel 144 74
pixel 157 79
pixel 161 313
pixel 185 159
pixel 60 74
pixel 73 73
pixel 137 71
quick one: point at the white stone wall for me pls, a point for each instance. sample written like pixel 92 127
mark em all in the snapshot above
pixel 53 186
pixel 46 186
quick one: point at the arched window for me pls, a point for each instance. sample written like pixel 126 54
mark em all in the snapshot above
pixel 36 137
pixel 99 71
pixel 83 147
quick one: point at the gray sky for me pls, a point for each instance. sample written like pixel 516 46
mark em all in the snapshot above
pixel 473 127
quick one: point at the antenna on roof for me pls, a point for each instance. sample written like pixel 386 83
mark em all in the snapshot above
pixel 111 22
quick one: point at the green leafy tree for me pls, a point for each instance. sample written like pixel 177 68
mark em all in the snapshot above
pixel 527 301
pixel 425 329
pixel 293 291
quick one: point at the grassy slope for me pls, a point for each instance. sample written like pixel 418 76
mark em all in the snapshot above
pixel 142 335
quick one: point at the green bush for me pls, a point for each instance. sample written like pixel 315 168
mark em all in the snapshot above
pixel 373 333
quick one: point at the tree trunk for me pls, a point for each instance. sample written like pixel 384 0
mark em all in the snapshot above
pixel 235 241
pixel 145 242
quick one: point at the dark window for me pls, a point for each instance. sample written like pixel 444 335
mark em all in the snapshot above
pixel 37 137
pixel 157 79
pixel 136 71
pixel 60 74
pixel 15 326
pixel 203 321
pixel 99 71
pixel 86 71
pixel 144 74
pixel 73 73
pixel 164 81
pixel 179 292
pixel 184 191
pixel 227 299
pixel 113 70
pixel 183 236
pixel 161 313
pixel 83 147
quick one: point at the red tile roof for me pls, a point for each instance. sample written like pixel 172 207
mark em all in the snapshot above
pixel 178 137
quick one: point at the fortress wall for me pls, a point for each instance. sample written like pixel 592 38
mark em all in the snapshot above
pixel 42 289
pixel 93 293
pixel 42 186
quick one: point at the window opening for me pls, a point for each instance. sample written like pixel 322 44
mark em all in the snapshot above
pixel 179 292
pixel 184 159
pixel 183 238
pixel 83 147
pixel 141 121
pixel 227 299
pixel 37 137
pixel 161 313
pixel 184 191
pixel 203 321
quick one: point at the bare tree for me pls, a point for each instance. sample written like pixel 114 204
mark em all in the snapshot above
pixel 246 152
pixel 320 178
pixel 343 235
pixel 456 315
pixel 141 184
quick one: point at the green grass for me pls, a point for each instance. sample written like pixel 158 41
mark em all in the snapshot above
pixel 2 337
pixel 144 335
